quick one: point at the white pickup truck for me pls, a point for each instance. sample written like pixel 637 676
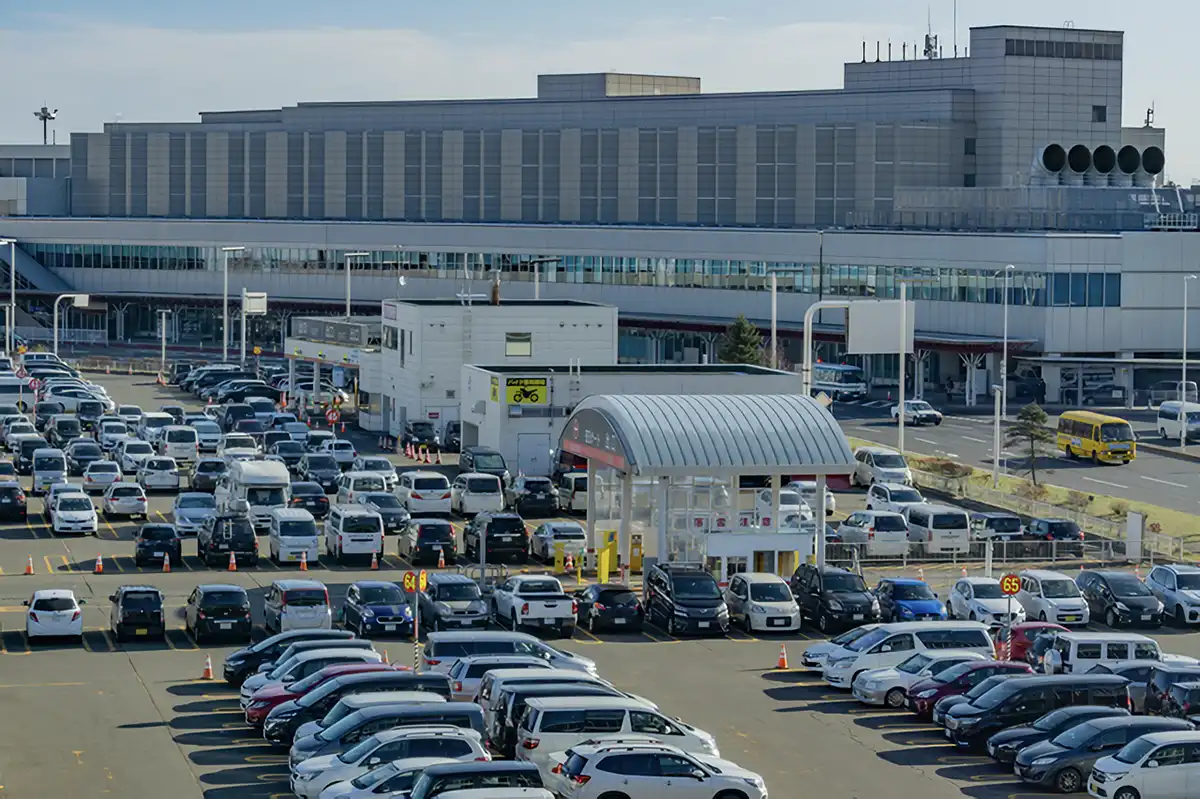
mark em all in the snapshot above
pixel 534 602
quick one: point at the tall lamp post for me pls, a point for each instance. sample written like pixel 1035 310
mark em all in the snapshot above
pixel 1183 386
pixel 77 301
pixel 10 327
pixel 162 332
pixel 1008 270
pixel 350 255
pixel 225 302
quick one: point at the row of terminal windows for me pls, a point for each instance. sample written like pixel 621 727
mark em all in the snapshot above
pixel 1039 48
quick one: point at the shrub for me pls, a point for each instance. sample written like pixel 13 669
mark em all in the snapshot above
pixel 1118 508
pixel 1032 491
pixel 1078 501
pixel 947 468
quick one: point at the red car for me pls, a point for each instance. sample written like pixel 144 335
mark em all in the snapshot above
pixel 1022 637
pixel 271 695
pixel 922 696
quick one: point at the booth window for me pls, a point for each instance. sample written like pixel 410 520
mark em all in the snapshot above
pixel 390 338
pixel 518 345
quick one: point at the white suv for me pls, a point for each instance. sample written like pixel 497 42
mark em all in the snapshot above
pixel 892 497
pixel 880 465
pixel 653 770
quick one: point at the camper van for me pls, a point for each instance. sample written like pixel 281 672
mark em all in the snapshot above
pixel 255 488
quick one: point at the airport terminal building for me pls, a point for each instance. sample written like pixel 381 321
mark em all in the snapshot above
pixel 645 193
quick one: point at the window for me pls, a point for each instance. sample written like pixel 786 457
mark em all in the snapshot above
pixel 1112 290
pixel 1169 755
pixel 604 721
pixel 1118 651
pixel 1088 651
pixel 969 146
pixel 969 180
pixel 1146 651
pixel 650 723
pixel 518 345
pixel 564 721
pixel 675 766
pixel 1099 113
pixel 629 765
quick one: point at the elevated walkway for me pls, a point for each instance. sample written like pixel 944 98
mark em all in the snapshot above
pixel 35 276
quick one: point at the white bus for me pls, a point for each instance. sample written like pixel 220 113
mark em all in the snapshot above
pixel 841 381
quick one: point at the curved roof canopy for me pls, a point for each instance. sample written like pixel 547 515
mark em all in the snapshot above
pixel 669 435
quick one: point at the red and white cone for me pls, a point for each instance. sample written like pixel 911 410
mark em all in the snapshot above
pixel 232 563
pixel 441 559
pixel 29 565
pixel 166 564
pixel 99 567
pixel 207 674
pixel 374 561
pixel 304 560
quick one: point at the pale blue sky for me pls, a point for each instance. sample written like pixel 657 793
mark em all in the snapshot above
pixel 149 60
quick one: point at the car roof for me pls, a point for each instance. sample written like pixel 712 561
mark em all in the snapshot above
pixel 887 450
pixel 1082 636
pixel 569 702
pixel 896 486
pixel 476 767
pixel 1180 568
pixel 427 731
pixel 287 585
pixel 53 593
pixel 373 584
pixel 137 587
pixel 291 514
pixel 423 474
pixel 479 474
pixel 1044 574
pixel 903 581
pixel 1181 736
pixel 762 577
pixel 980 580
pixel 479 635
pixel 349 509
pixel 448 578
pixel 219 587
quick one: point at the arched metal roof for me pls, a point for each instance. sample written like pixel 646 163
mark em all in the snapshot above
pixel 701 434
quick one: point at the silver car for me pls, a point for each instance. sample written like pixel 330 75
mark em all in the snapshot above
pixel 190 509
pixel 1178 588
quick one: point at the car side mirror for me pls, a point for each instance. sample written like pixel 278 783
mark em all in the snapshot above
pixel 25 603
pixel 698 774
pixel 1152 764
pixel 112 597
pixel 80 601
pixel 885 648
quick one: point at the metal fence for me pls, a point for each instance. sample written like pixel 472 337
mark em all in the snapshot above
pixel 65 335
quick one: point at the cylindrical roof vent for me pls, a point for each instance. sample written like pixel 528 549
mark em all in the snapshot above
pixel 1104 159
pixel 1079 159
pixel 1052 158
pixel 1153 160
pixel 1129 161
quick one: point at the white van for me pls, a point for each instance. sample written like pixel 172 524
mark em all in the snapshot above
pixel 556 723
pixel 473 493
pixel 572 492
pixel 293 535
pixel 16 391
pixel 892 644
pixel 1173 415
pixel 1161 765
pixel 1077 653
pixel 351 484
pixel 1052 596
pixel 49 467
pixel 253 487
pixel 151 426
pixel 885 534
pixel 938 528
pixel 353 530
pixel 495 682
pixel 179 442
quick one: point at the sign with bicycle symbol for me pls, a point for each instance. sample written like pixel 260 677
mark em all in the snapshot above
pixel 1010 585
pixel 526 391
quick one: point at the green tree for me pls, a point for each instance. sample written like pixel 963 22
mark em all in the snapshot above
pixel 1030 433
pixel 742 343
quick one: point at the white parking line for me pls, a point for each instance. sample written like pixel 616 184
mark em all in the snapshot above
pixel 1164 482
pixel 925 440
pixel 1105 482
pixel 972 438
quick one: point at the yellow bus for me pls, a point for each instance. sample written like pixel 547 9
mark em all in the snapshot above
pixel 1083 434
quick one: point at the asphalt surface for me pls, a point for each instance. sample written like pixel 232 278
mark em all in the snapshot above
pixel 133 720
pixel 1151 477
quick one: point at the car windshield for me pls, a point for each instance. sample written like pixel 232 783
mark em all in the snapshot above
pixel 843 582
pixel 142 600
pixel 888 523
pixel 620 596
pixel 912 591
pixel 1134 751
pixel 73 502
pixel 125 491
pixel 205 427
pixel 289 447
pixel 361 524
pixel 305 597
pixel 788 499
pixel 1069 529
pixel 949 521
pixel 197 501
pixel 483 485
pixel 492 460
pixel 993 697
pixel 1004 524
pixel 368 483
pixel 434 531
pixel 920 406
pixel 1059 589
pixel 322 463
pixel 696 586
pixel 381 595
pixel 953 673
pixel 987 590
pixel 307 489
pixel 915 663
pixel 568 532
pixel 422 428
pixel 239 441
pixel 377 465
pixel 89 408
pixel 867 641
pixel 224 599
pixel 1054 720
pixel 770 592
pixel 54 603
pixel 385 501
pixel 889 460
pixel 1126 585
pixel 210 467
pixel 1188 581
pixel 181 436
pixel 85 450
pixel 906 495
pixel 1116 431
pixel 49 463
pixel 67 427
pixel 157 421
pixel 537 484
pixel 300 529
pixel 265 496
pixel 850 636
pixel 160 465
pixel 458 592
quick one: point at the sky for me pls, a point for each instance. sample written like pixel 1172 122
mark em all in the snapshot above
pixel 100 61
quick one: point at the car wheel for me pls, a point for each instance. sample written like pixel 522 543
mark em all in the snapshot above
pixel 513 621
pixel 1180 616
pixel 1068 780
pixel 614 795
pixel 894 698
pixel 730 795
pixel 1042 616
pixel 972 616
pixel 1162 432
pixel 1110 618
pixel 1070 452
pixel 823 622
pixel 1127 793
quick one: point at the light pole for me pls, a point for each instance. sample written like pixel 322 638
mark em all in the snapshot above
pixel 1008 270
pixel 162 330
pixel 1183 389
pixel 996 437
pixel 350 255
pixel 225 303
pixel 77 300
pixel 10 327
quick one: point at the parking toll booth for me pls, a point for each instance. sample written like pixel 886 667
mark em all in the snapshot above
pixel 706 478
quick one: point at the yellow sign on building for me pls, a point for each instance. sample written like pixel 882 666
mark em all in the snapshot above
pixel 526 391
pixel 495 389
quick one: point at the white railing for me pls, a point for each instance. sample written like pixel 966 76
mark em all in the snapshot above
pixel 65 335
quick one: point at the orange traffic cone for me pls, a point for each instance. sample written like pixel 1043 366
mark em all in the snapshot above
pixel 343 427
pixel 207 673
pixel 99 568
pixel 374 561
pixel 570 563
pixel 166 564
pixel 439 458
pixel 920 574
pixel 1137 570
pixel 232 562
pixel 304 560
pixel 29 565
pixel 782 662
pixel 408 451
pixel 386 659
pixel 441 559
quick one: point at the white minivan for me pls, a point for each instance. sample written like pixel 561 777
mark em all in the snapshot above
pixel 473 493
pixel 892 644
pixel 1052 596
pixel 179 442
pixel 1174 415
pixel 1077 653
pixel 1161 765
pixel 353 530
pixel 938 529
pixel 293 536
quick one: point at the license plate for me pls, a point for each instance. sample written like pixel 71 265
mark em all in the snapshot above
pixel 703 624
pixel 1070 618
pixel 390 628
pixel 548 622
pixel 506 538
pixel 618 621
pixel 225 625
pixel 158 554
pixel 463 622
pixel 437 547
pixel 141 631
pixel 858 617
pixel 777 622
pixel 949 733
pixel 1147 616
pixel 6 500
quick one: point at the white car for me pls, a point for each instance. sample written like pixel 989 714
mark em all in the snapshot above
pixel 342 451
pixel 208 434
pixel 152 425
pixel 892 497
pixel 394 779
pixel 158 473
pixel 109 434
pixel 791 506
pixel 131 453
pixel 297 430
pixel 608 770
pixel 889 686
pixel 57 490
pixel 879 465
pixel 980 599
pixel 1160 765
pixel 424 493
pixel 1052 596
pixel 376 464
pixel 572 536
pixel 124 499
pixel 762 601
pixel 53 613
pixel 132 414
pixel 74 513
pixel 813 658
pixel 808 492
pixel 239 442
pixel 18 429
pixel 473 493
pixel 535 602
pixel 917 412
pixel 99 475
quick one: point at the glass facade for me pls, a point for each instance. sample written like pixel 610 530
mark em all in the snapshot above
pixel 940 283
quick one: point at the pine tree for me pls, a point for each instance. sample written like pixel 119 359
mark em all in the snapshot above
pixel 742 343
pixel 1029 431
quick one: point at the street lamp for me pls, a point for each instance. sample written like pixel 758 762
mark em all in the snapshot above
pixel 1008 270
pixel 77 300
pixel 225 303
pixel 162 329
pixel 10 327
pixel 350 255
pixel 1183 389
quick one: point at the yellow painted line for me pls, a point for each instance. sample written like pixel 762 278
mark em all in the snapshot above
pixel 161 516
pixel 42 685
pixel 52 567
pixel 274 760
pixel 32 529
pixel 13 609
pixel 116 562
pixel 112 645
pixel 578 629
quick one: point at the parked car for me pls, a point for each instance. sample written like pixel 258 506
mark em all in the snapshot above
pixel 205 473
pixel 980 599
pixel 54 613
pixel 1120 598
pixel 682 598
pixel 227 535
pixel 611 606
pixel 548 537
pixel 532 496
pixel 1177 586
pixel 310 497
pixel 425 541
pixel 1004 745
pixel 136 612
pixel 538 602
pixel 374 607
pixel 957 681
pixel 124 499
pixel 907 600
pixel 155 542
pixel 762 601
pixel 833 597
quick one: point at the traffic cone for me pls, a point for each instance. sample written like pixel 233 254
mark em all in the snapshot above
pixel 386 660
pixel 439 458
pixel 304 560
pixel 343 427
pixel 166 564
pixel 1137 570
pixel 782 662
pixel 232 562
pixel 374 561
pixel 921 574
pixel 29 565
pixel 108 369
pixel 408 451
pixel 207 673
pixel 964 571
pixel 426 456
pixel 441 559
pixel 99 568
pixel 570 563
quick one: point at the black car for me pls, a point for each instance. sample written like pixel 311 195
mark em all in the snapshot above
pixel 684 598
pixel 291 452
pixel 483 460
pixel 80 455
pixel 430 538
pixel 452 436
pixel 64 429
pixel 833 598
pixel 272 437
pixel 241 664
pixel 251 427
pixel 1120 598
pixel 137 612
pixel 608 606
pixel 232 414
pixel 28 446
pixel 177 372
pixel 311 497
pixel 533 497
pixel 421 434
pixel 89 412
pixel 504 536
pixel 205 474
pixel 155 542
pixel 1065 761
pixel 222 536
pixel 390 509
pixel 43 411
pixel 245 392
pixel 320 469
pixel 12 501
pixel 1004 745
pixel 218 611
pixel 176 412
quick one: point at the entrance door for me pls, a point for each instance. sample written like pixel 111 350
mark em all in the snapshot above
pixel 764 561
pixel 533 453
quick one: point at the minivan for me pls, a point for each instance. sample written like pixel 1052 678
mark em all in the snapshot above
pixel 295 605
pixel 891 644
pixel 1173 416
pixel 556 723
pixel 26 446
pixel 1077 653
pixel 49 467
pixel 884 533
pixel 511 703
pixel 1021 700
pixel 496 778
pixel 366 722
pixel 483 459
pixel 1161 765
pixel 352 703
pixel 353 530
pixel 293 536
pixel 179 442
pixel 496 684
pixel 938 528
pixel 1052 596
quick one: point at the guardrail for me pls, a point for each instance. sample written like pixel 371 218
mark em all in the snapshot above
pixel 65 335
pixel 1021 550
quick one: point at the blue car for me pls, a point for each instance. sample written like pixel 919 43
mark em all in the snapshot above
pixel 908 600
pixel 375 607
